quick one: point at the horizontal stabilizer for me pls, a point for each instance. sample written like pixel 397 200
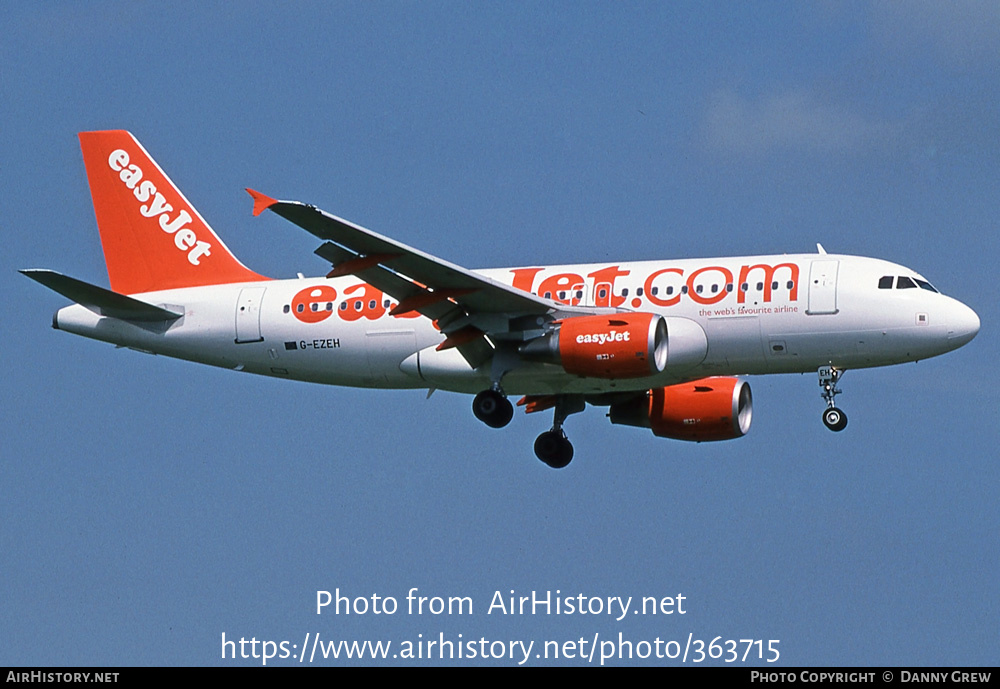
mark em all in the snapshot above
pixel 99 300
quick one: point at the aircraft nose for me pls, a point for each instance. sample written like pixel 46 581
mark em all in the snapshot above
pixel 963 324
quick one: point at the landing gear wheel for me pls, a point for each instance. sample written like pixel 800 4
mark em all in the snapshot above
pixel 493 409
pixel 835 419
pixel 554 448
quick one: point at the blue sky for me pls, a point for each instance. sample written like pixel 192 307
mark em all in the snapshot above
pixel 151 505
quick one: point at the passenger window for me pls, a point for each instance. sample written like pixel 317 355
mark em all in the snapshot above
pixel 654 291
pixel 287 308
pixel 885 282
pixel 670 290
pixel 625 292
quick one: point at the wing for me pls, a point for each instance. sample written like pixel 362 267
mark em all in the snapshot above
pixel 473 311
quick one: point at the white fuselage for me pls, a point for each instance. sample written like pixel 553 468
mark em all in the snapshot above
pixel 726 316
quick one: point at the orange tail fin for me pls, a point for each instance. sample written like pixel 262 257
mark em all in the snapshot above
pixel 153 238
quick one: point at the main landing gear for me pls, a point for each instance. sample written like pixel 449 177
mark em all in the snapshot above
pixel 552 446
pixel 834 418
pixel 493 408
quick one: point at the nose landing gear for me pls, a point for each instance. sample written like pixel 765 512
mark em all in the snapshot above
pixel 833 418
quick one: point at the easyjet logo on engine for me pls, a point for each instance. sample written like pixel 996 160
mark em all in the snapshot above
pixel 601 338
pixel 155 205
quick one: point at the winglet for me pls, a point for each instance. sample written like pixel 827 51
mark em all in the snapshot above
pixel 261 202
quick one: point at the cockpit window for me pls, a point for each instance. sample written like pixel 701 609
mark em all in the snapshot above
pixel 903 282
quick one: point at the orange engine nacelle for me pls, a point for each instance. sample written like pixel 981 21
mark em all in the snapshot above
pixel 702 410
pixel 628 345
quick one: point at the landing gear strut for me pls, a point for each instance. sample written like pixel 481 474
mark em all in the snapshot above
pixel 552 446
pixel 834 418
pixel 493 408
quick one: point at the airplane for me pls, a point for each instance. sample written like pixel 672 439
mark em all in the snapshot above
pixel 663 345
